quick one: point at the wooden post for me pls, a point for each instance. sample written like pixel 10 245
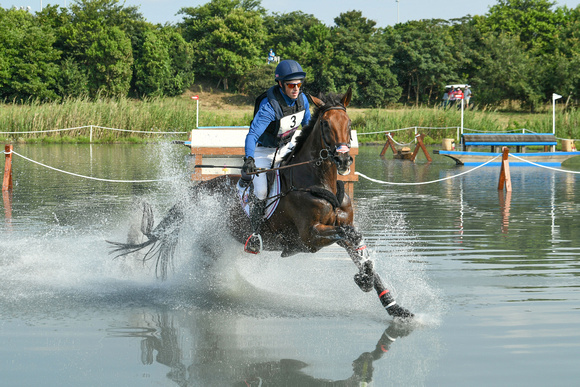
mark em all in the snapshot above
pixel 388 144
pixel 504 175
pixel 7 181
pixel 421 145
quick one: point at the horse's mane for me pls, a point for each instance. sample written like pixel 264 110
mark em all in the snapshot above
pixel 330 100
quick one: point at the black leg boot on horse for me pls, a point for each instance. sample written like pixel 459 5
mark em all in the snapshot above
pixel 367 279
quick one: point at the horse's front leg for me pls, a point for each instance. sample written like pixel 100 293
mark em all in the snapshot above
pixel 354 244
pixel 367 278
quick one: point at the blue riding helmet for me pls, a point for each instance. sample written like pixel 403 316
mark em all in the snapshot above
pixel 289 69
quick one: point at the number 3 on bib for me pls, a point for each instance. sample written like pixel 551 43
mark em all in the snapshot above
pixel 290 122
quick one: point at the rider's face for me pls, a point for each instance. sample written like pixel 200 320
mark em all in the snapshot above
pixel 292 88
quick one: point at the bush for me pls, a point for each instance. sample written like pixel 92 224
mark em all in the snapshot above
pixel 257 81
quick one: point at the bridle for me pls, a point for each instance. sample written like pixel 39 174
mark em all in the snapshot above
pixel 328 151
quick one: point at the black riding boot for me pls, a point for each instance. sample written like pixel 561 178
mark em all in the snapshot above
pixel 254 242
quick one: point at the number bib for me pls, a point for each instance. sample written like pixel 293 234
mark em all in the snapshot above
pixel 290 122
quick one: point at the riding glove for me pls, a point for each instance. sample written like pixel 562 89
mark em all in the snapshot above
pixel 249 165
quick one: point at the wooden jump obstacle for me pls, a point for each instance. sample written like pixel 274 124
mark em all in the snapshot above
pixel 225 146
pixel 519 140
pixel 405 153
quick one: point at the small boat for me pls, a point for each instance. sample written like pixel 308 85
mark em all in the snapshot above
pixel 548 157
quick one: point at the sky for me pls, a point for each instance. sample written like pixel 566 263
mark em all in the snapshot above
pixel 384 12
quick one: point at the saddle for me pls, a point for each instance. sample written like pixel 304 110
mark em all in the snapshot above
pixel 272 199
pixel 274 194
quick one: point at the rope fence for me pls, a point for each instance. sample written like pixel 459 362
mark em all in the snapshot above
pixel 88 177
pixel 92 128
pixel 428 182
pixel 357 173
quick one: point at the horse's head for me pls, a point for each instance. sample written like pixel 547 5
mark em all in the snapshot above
pixel 336 132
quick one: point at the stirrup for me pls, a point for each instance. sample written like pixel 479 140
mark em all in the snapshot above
pixel 253 244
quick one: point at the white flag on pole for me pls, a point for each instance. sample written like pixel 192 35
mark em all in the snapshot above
pixel 556 96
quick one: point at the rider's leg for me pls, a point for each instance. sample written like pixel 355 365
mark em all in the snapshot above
pixel 263 159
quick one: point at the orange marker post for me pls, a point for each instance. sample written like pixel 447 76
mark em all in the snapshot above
pixel 7 181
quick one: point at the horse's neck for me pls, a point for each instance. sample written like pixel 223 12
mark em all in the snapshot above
pixel 311 174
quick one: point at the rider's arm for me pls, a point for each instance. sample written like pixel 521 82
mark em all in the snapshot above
pixel 261 120
pixel 306 118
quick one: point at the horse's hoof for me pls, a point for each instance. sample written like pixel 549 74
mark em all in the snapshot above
pixel 398 311
pixel 365 281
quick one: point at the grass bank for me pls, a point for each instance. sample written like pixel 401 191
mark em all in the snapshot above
pixel 222 109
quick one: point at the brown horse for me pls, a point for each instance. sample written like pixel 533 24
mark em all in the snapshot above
pixel 313 211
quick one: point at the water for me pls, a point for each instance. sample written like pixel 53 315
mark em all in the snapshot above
pixel 492 278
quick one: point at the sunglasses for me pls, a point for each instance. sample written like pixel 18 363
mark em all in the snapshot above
pixel 293 85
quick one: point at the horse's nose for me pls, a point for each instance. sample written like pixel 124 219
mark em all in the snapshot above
pixel 343 162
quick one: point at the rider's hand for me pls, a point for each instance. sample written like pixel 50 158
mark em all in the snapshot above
pixel 249 165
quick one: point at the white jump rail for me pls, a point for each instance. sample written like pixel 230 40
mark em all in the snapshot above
pixel 225 146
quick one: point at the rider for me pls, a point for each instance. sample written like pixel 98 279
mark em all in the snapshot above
pixel 281 110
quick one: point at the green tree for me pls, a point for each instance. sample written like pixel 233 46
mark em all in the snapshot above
pixel 533 21
pixel 28 62
pixel 97 38
pixel 287 28
pixel 509 72
pixel 362 60
pixel 164 63
pixel 152 68
pixel 227 37
pixel 424 58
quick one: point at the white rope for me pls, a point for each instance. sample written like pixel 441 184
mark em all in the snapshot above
pixel 398 143
pixel 91 126
pixel 137 131
pixel 89 177
pixel 428 182
pixel 46 131
pixel 542 166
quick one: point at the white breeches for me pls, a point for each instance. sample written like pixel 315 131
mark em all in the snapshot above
pixel 263 158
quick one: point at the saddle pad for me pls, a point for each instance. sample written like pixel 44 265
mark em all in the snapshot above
pixel 271 201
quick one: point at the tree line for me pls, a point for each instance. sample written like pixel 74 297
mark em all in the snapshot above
pixel 519 51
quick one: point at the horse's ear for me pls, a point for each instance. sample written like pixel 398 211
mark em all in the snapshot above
pixel 346 98
pixel 318 102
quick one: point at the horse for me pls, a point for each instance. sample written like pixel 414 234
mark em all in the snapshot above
pixel 313 210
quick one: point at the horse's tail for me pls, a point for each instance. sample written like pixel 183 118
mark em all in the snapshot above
pixel 161 241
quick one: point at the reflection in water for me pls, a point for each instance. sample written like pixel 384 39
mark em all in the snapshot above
pixel 164 342
pixel 7 198
pixel 505 199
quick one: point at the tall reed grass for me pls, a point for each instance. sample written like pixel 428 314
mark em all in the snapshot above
pixel 157 115
pixel 179 115
pixel 380 120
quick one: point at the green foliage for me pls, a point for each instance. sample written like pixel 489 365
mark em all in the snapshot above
pixel 362 60
pixel 424 58
pixel 227 37
pixel 517 54
pixel 28 68
pixel 532 20
pixel 257 80
pixel 509 71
